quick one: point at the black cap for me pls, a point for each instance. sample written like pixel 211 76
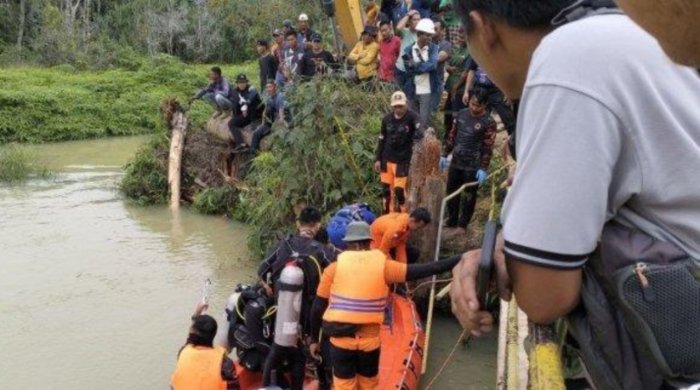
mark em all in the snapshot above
pixel 316 37
pixel 263 42
pixel 287 23
pixel 241 78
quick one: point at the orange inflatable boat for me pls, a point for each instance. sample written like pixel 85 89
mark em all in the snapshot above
pixel 403 339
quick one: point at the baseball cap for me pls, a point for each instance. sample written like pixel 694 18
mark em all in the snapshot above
pixel 316 37
pixel 277 32
pixel 398 99
pixel 287 23
pixel 303 17
pixel 241 78
pixel 263 42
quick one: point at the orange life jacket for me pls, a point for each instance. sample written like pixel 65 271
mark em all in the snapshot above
pixel 359 291
pixel 199 368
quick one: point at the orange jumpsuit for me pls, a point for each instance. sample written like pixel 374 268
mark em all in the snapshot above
pixel 389 232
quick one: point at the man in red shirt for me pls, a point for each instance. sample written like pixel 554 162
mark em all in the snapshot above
pixel 389 48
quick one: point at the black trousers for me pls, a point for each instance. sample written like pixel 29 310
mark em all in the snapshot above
pixel 281 357
pixel 324 370
pixel 236 125
pixel 456 177
pixel 348 364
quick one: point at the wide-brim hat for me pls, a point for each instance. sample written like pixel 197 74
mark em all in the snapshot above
pixel 357 231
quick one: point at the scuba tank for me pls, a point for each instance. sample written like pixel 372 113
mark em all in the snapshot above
pixel 289 296
pixel 229 316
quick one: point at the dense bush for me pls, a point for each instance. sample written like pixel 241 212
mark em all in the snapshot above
pixel 60 103
pixel 145 178
pixel 325 160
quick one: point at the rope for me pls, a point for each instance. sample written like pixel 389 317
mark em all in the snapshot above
pixel 428 283
pixel 447 360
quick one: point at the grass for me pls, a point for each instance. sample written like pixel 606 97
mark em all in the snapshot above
pixel 58 104
pixel 17 164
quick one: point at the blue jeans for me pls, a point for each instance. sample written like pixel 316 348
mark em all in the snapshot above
pixel 218 101
pixel 259 133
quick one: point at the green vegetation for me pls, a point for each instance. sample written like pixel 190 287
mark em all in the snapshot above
pixel 101 34
pixel 60 103
pixel 17 164
pixel 146 175
pixel 325 160
pixel 215 200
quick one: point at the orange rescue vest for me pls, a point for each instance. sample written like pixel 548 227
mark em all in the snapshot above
pixel 199 368
pixel 359 291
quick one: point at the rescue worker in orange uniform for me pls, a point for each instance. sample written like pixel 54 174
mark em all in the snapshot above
pixel 350 303
pixel 390 232
pixel 400 130
pixel 200 364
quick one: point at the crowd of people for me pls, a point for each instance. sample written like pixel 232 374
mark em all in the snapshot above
pixel 597 202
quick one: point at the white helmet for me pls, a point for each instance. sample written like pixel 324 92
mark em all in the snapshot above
pixel 426 25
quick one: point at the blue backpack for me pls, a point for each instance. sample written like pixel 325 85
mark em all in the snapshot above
pixel 338 224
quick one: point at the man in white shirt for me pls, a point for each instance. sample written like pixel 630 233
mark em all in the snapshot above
pixel 608 130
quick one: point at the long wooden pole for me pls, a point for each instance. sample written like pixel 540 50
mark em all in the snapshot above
pixel 177 144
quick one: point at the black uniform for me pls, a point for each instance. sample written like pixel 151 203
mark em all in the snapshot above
pixel 495 99
pixel 315 257
pixel 396 140
pixel 250 99
pixel 470 142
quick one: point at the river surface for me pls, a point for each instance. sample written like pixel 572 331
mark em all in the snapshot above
pixel 97 293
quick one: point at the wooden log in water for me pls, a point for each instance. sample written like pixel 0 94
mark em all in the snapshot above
pixel 178 123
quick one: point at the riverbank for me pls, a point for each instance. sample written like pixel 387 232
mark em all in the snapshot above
pixel 60 103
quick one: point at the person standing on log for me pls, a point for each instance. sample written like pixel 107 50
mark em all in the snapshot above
pixel 400 130
pixel 216 93
pixel 247 109
pixel 267 62
pixel 390 232
pixel 470 141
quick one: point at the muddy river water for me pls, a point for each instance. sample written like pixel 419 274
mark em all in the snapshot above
pixel 97 293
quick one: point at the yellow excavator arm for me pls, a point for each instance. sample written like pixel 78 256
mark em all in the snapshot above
pixel 348 18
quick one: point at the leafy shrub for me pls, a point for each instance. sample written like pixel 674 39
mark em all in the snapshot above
pixel 146 175
pixel 215 200
pixel 18 163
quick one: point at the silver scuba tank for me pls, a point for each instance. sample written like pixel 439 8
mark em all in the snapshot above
pixel 222 333
pixel 289 294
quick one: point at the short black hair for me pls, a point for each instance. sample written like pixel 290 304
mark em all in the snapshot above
pixel 525 14
pixel 421 214
pixel 385 22
pixel 290 32
pixel 216 70
pixel 204 326
pixel 309 215
pixel 439 20
pixel 480 94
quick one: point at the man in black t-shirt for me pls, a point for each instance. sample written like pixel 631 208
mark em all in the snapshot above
pixel 400 130
pixel 267 62
pixel 316 60
pixel 478 79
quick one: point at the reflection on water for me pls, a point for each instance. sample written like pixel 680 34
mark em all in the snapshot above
pixel 98 293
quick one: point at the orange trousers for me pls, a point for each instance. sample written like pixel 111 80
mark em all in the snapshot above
pixel 395 187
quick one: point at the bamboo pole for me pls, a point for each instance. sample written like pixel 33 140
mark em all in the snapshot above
pixel 177 144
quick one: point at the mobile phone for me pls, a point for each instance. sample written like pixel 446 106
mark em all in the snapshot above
pixel 488 247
